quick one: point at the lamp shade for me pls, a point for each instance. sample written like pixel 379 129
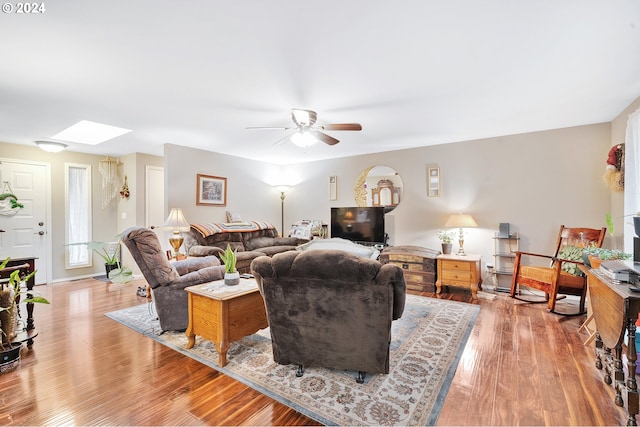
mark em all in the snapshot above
pixel 461 221
pixel 176 221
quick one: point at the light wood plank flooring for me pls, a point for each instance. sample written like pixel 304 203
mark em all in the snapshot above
pixel 521 366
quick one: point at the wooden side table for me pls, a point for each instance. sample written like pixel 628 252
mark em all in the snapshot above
pixel 224 314
pixel 459 270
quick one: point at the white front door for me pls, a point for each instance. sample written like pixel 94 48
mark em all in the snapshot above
pixel 25 233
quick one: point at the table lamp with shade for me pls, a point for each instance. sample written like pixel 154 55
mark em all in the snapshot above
pixel 461 221
pixel 177 223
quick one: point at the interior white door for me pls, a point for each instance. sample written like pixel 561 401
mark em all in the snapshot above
pixel 26 233
pixel 154 202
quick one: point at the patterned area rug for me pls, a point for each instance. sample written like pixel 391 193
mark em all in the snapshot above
pixel 427 343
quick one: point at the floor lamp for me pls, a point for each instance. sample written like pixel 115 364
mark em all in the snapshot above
pixel 283 190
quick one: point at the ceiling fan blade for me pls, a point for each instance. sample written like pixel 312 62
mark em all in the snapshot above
pixel 342 126
pixel 324 137
pixel 282 140
pixel 269 127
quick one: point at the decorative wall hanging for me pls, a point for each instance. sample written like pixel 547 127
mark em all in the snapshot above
pixel 433 182
pixel 124 193
pixel 9 204
pixel 211 191
pixel 614 173
pixel 108 168
pixel 333 188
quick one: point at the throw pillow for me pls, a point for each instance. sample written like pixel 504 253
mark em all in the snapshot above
pixel 233 217
pixel 342 245
pixel 571 253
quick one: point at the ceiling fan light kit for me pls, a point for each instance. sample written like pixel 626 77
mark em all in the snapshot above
pixel 303 138
pixel 307 133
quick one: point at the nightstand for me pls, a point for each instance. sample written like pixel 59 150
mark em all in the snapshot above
pixel 459 270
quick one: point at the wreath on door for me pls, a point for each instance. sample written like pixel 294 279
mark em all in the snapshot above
pixel 9 204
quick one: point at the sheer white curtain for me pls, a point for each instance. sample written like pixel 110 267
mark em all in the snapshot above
pixel 631 177
pixel 78 226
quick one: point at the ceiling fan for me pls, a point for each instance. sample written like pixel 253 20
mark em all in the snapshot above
pixel 307 132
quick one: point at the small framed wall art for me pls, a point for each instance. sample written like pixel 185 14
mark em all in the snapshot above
pixel 333 188
pixel 211 190
pixel 433 181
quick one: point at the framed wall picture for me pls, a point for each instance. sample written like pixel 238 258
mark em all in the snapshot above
pixel 333 188
pixel 433 182
pixel 211 190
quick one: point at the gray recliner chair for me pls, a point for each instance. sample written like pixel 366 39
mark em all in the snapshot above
pixel 168 279
pixel 330 308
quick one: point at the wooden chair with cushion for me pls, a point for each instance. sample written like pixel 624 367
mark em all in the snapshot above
pixel 555 279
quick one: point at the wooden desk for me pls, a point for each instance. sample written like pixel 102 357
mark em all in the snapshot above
pixel 459 270
pixel 224 314
pixel 615 311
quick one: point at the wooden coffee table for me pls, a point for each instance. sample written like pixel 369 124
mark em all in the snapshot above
pixel 224 314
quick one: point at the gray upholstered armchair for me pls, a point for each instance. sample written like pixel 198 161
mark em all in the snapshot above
pixel 168 279
pixel 330 308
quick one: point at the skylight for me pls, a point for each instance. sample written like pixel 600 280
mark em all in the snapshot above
pixel 91 133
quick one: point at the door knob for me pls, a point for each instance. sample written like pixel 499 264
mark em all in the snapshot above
pixel 40 233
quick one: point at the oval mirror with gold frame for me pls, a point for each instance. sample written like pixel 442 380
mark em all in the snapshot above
pixel 378 185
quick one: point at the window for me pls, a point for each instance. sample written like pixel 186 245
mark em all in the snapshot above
pixel 78 215
pixel 631 176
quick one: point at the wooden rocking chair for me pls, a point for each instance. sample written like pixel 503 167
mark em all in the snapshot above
pixel 552 280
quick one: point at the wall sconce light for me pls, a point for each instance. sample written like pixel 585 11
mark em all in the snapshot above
pixel 461 221
pixel 177 223
pixel 50 146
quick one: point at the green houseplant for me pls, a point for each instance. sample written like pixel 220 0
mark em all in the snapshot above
pixel 231 274
pixel 108 251
pixel 446 237
pixel 11 294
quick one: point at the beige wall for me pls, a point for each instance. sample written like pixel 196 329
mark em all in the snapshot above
pixel 535 181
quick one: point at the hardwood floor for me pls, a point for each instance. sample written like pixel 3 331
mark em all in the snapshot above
pixel 521 366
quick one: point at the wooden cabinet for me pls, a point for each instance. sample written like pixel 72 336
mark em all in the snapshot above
pixel 459 270
pixel 418 265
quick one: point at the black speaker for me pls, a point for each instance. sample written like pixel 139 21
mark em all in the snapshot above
pixel 504 229
pixel 636 249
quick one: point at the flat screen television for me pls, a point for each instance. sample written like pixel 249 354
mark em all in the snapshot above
pixel 359 224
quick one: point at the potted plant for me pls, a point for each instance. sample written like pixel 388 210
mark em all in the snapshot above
pixel 10 297
pixel 231 274
pixel 446 237
pixel 598 255
pixel 108 251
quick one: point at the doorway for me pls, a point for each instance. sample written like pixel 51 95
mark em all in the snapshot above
pixel 26 233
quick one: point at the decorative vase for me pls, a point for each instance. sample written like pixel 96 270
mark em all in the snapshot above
pixel 8 317
pixel 109 267
pixel 231 279
pixel 446 248
pixel 10 358
pixel 595 261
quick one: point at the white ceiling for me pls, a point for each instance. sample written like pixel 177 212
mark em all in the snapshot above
pixel 413 72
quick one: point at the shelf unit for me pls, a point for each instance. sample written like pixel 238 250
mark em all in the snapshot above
pixel 504 255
